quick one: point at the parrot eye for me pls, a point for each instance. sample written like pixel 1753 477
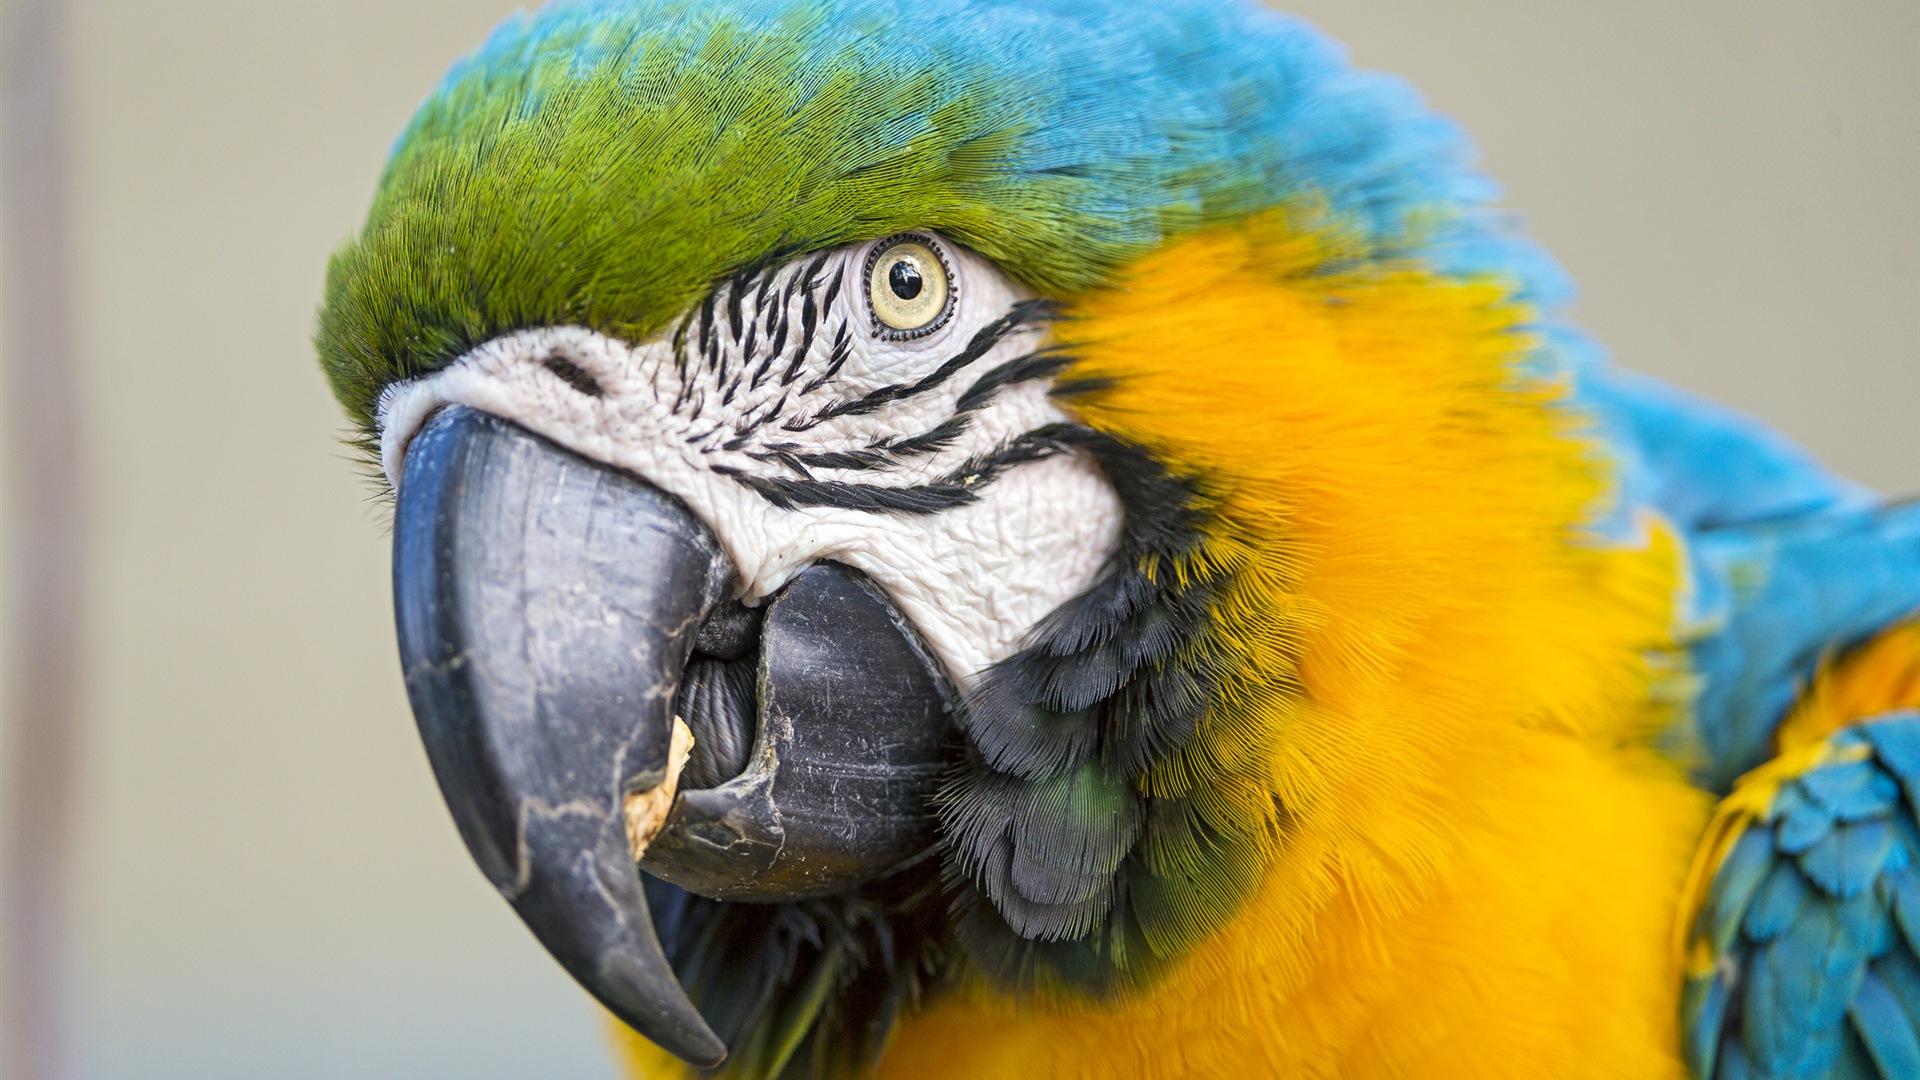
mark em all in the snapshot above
pixel 909 287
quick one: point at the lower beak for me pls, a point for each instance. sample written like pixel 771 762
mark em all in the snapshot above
pixel 550 610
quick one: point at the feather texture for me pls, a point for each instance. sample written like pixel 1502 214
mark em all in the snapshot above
pixel 1801 956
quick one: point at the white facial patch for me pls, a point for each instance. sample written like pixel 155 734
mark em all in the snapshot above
pixel 799 429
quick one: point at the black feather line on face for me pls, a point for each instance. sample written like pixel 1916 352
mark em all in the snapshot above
pixel 892 451
pixel 760 296
pixel 751 424
pixel 833 288
pixel 933 441
pixel 842 349
pixel 706 325
pixel 735 317
pixel 850 460
pixel 959 487
pixel 1025 315
pixel 1040 364
pixel 809 321
pixel 683 364
pixel 746 352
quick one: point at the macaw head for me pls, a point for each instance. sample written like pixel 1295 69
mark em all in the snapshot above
pixel 813 431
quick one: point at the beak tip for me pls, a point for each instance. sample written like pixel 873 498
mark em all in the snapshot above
pixel 710 1056
pixel 697 1046
pixel 637 987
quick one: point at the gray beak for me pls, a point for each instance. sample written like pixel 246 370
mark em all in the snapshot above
pixel 556 617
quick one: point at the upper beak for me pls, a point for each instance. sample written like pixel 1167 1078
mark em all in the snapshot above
pixel 549 610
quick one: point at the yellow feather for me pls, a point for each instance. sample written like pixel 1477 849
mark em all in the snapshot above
pixel 1880 676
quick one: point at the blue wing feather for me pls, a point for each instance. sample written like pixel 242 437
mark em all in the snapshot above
pixel 1733 1062
pixel 1906 907
pixel 1778 904
pixel 1897 746
pixel 1805 825
pixel 1900 974
pixel 1809 928
pixel 1855 1063
pixel 1886 1029
pixel 1705 1000
pixel 1849 858
pixel 1741 875
pixel 1852 792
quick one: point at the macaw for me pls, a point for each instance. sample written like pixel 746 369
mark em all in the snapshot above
pixel 1070 538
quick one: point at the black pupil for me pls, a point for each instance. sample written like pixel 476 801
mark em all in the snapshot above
pixel 904 279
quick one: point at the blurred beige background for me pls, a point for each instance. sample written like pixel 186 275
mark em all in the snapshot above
pixel 269 886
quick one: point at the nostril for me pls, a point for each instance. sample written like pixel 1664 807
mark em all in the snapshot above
pixel 573 375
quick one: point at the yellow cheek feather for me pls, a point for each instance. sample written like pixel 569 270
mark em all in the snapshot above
pixel 1480 855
